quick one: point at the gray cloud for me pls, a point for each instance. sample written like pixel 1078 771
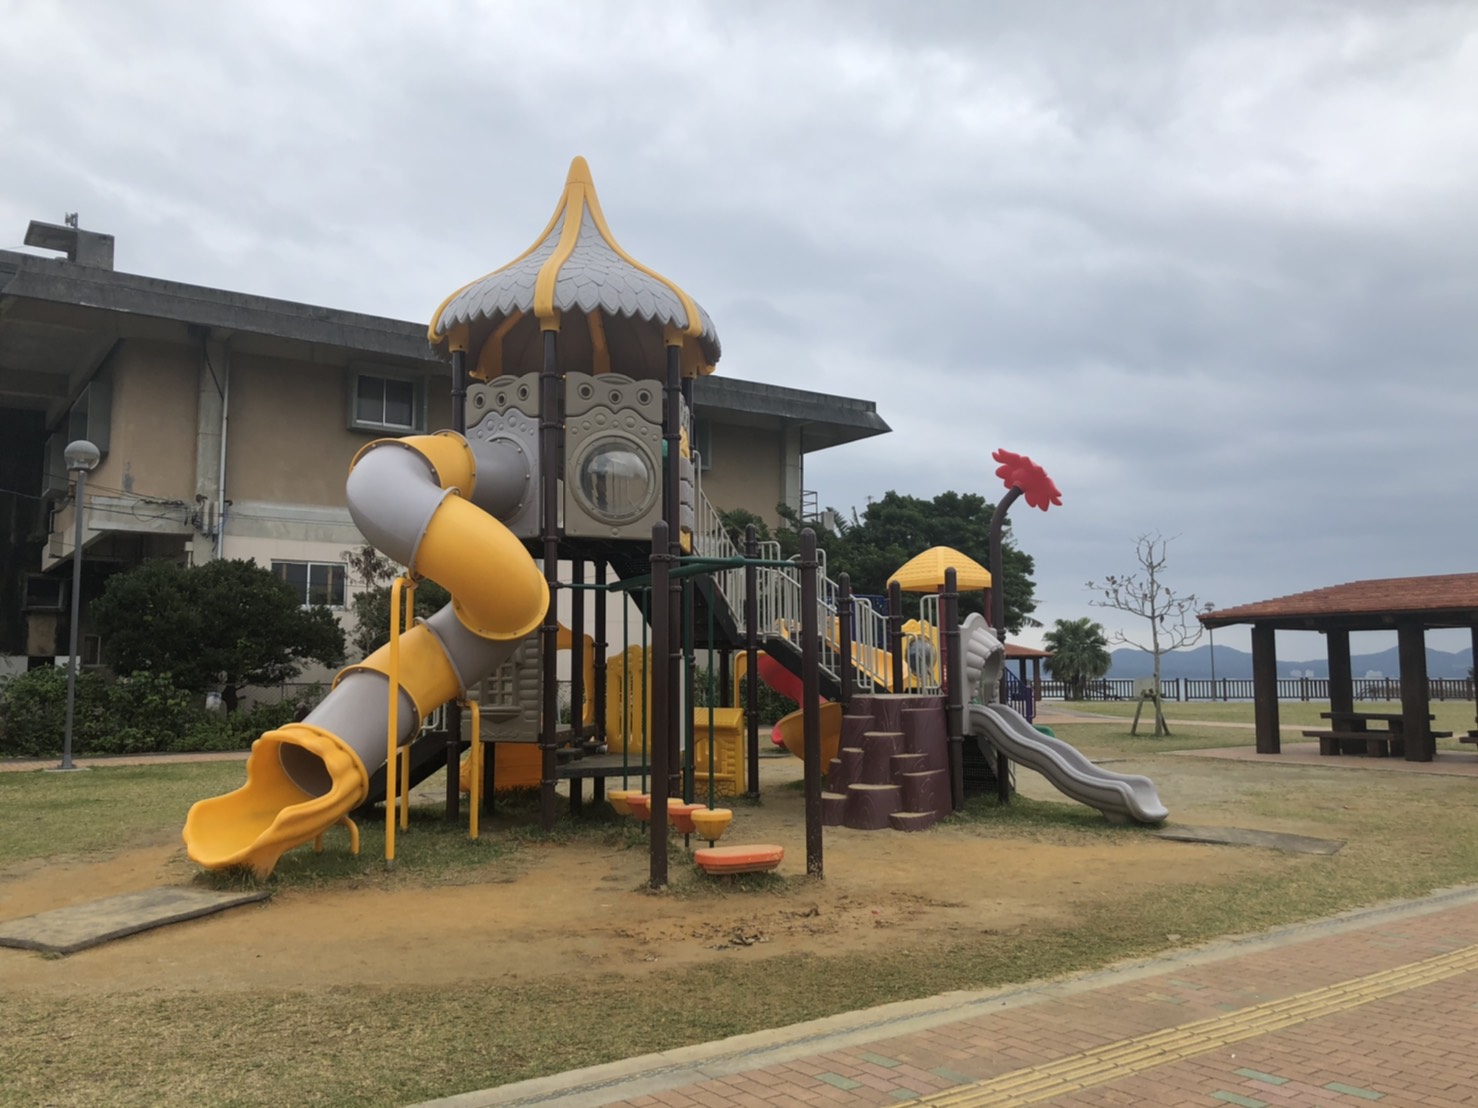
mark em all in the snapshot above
pixel 1211 265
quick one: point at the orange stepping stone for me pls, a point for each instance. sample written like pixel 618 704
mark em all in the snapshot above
pixel 680 815
pixel 715 860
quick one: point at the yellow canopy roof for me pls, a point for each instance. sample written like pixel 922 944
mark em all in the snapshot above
pixel 925 573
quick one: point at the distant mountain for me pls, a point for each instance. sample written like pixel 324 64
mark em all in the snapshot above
pixel 1231 662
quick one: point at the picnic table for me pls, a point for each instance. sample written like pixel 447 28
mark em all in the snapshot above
pixel 1352 733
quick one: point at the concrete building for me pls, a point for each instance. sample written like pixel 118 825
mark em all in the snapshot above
pixel 227 423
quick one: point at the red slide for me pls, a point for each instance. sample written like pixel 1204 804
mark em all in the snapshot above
pixel 784 682
pixel 779 678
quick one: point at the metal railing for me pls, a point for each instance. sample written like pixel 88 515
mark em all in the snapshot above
pixel 779 602
pixel 711 540
pixel 1240 688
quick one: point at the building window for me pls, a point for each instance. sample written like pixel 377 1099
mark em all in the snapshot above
pixel 315 582
pixel 384 403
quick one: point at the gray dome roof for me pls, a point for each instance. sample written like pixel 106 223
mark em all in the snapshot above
pixel 576 268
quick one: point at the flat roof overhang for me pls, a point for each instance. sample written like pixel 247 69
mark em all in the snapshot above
pixel 825 420
pixel 55 313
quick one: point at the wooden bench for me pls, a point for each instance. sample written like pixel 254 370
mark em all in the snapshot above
pixel 1470 737
pixel 1373 744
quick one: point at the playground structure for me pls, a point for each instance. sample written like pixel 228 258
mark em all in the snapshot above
pixel 573 374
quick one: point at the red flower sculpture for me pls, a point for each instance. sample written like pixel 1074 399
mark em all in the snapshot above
pixel 1020 472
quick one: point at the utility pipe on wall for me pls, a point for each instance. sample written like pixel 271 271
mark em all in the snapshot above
pixel 221 501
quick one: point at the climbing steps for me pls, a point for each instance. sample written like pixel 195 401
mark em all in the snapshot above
pixel 892 766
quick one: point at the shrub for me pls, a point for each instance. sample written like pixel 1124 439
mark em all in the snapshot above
pixel 147 714
pixel 33 712
pixel 142 713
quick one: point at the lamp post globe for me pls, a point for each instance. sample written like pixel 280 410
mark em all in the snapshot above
pixel 81 457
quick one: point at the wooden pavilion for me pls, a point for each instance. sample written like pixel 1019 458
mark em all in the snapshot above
pixel 1021 654
pixel 1410 606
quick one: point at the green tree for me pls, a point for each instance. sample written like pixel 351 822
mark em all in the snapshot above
pixel 371 608
pixel 895 528
pixel 374 573
pixel 787 534
pixel 1080 654
pixel 225 624
pixel 1171 616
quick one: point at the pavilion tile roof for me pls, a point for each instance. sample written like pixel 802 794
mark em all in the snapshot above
pixel 1448 595
pixel 1017 650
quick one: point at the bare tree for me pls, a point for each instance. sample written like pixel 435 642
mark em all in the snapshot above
pixel 1172 618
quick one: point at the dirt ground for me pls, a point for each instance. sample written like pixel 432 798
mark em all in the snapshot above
pixel 582 905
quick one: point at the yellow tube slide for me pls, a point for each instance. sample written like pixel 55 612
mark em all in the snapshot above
pixel 304 777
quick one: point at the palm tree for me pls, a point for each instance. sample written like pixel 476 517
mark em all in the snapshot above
pixel 1079 654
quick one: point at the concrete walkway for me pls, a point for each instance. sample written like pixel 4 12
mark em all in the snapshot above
pixel 30 765
pixel 1376 1006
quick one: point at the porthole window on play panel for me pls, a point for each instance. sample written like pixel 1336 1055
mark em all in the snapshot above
pixel 381 403
pixel 315 582
pixel 615 480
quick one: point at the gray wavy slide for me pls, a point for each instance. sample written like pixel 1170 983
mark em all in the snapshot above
pixel 1120 796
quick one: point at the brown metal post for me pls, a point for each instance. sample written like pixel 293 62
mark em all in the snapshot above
pixel 662 692
pixel 1473 684
pixel 549 429
pixel 601 646
pixel 1265 688
pixel 844 636
pixel 895 632
pixel 1411 650
pixel 489 778
pixel 752 656
pixel 954 688
pixel 811 700
pixel 998 562
pixel 577 653
pixel 454 709
pixel 672 445
pixel 1341 683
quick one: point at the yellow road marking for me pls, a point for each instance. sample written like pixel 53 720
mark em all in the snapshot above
pixel 1130 1056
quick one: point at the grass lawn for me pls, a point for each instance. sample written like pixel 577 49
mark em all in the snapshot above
pixel 374 1043
pixel 51 815
pixel 1451 715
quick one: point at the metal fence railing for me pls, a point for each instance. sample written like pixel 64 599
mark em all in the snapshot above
pixel 1240 688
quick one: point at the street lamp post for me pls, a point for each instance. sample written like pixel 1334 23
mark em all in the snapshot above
pixel 1211 634
pixel 81 457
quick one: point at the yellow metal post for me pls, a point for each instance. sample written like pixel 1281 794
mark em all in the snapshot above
pixel 400 588
pixel 405 787
pixel 474 791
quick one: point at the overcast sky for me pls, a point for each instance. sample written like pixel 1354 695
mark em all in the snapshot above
pixel 1211 265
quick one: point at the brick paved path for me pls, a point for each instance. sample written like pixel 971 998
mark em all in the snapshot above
pixel 1379 1006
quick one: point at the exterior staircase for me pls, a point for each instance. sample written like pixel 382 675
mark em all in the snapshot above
pixel 779 610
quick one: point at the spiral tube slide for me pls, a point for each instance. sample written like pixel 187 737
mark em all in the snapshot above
pixel 430 502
